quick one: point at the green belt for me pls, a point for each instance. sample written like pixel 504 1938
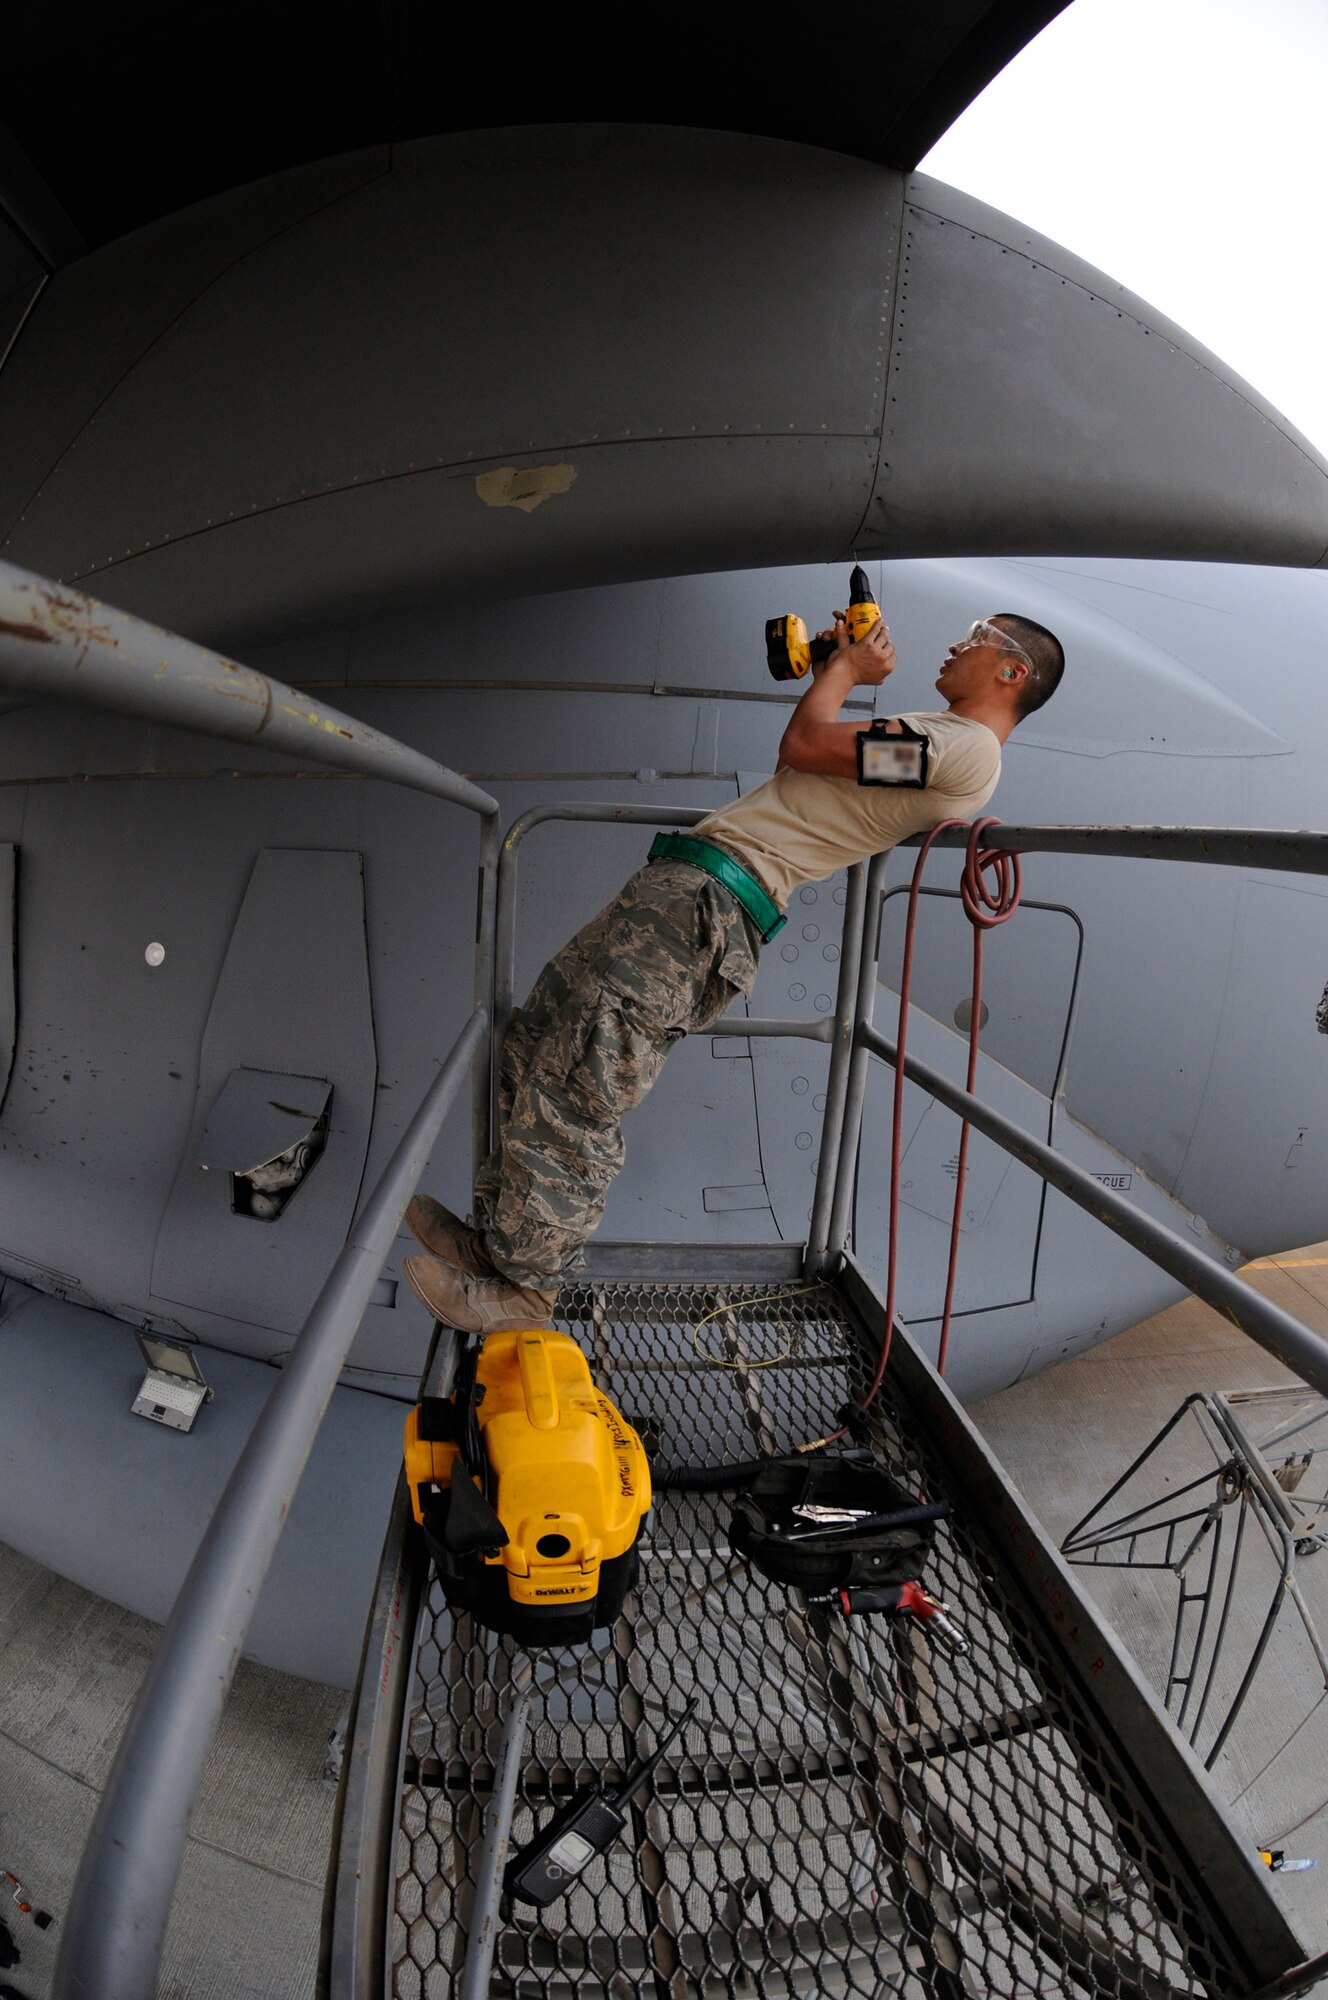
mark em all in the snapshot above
pixel 760 906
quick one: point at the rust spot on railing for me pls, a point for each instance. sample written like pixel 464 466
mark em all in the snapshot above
pixel 58 615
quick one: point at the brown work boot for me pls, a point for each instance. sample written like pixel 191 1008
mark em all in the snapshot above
pixel 477 1304
pixel 447 1236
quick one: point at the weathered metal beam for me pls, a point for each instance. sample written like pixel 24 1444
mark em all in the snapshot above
pixel 58 645
pixel 1302 852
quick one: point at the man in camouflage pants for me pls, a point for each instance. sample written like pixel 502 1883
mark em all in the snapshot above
pixel 681 942
pixel 665 959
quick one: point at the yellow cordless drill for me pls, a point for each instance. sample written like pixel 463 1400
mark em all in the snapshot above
pixel 790 653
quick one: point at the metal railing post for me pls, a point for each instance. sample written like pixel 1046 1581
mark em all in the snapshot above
pixel 354 1932
pixel 122 1897
pixel 486 916
pixel 864 1006
pixel 820 1235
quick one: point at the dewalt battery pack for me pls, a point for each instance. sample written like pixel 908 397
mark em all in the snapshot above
pixel 530 1488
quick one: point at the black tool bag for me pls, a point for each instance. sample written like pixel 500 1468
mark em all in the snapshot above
pixel 889 1543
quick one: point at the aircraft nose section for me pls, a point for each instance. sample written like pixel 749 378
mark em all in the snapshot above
pixel 1033 403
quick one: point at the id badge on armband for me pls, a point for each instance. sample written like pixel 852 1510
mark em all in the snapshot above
pixel 896 758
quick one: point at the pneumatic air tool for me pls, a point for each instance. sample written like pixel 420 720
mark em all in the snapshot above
pixel 790 653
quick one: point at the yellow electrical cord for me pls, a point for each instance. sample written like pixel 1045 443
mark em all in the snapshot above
pixel 740 1305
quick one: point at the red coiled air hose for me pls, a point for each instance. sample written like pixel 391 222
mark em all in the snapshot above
pixel 985 908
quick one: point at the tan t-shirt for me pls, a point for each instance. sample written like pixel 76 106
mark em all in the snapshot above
pixel 799 827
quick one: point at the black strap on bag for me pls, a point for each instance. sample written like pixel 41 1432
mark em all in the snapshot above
pixel 886 1538
pixel 460 1523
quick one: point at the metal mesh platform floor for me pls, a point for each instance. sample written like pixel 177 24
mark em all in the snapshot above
pixel 852 1809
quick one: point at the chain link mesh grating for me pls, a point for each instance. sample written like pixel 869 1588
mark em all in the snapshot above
pixel 853 1810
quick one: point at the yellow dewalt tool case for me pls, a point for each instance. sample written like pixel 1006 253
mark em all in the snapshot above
pixel 530 1488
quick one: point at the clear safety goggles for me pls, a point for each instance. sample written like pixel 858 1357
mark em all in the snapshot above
pixel 983 633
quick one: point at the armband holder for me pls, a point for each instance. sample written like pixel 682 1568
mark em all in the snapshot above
pixel 890 753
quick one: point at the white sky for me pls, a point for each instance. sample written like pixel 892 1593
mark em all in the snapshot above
pixel 1182 147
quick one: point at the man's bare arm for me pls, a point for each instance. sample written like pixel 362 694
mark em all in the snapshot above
pixel 816 740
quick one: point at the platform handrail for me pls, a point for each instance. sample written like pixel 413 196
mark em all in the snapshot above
pixel 122 1896
pixel 1276 1331
pixel 836 1030
pixel 58 645
pixel 353 1938
pixel 1294 851
pixel 594 813
pixel 590 811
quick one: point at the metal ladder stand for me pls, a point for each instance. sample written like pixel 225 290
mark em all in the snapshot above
pixel 849 1808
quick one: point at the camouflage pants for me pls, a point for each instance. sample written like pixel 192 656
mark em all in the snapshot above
pixel 663 960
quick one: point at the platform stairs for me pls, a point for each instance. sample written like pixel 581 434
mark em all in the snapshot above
pixel 850 1808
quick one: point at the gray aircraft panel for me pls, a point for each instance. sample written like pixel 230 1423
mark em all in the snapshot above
pixel 258 1115
pixel 92 1004
pixel 279 447
pixel 118 1504
pixel 1063 379
pixel 1147 1101
pixel 1271 1051
pixel 107 1044
pixel 8 944
pixel 133 305
pixel 696 1159
pixel 527 736
pixel 1023 1029
pixel 397 539
pixel 293 997
pixel 427 234
pixel 16 302
pixel 668 634
pixel 929 1160
pixel 999 1230
pixel 21 272
pixel 1223 624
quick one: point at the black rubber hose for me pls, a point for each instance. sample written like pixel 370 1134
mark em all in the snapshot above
pixel 903 1517
pixel 705 1478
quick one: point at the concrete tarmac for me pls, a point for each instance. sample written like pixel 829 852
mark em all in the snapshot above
pixel 245 1920
pixel 1067 1435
